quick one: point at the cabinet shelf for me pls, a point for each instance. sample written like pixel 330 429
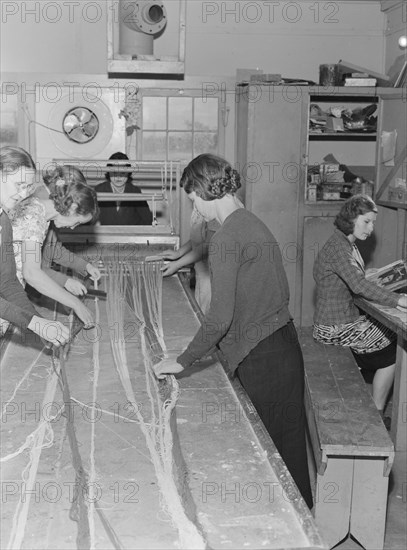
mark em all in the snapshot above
pixel 323 143
pixel 350 97
pixel 392 204
pixel 325 202
pixel 342 136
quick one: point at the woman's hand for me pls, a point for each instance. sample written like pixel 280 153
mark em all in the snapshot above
pixel 93 271
pixel 169 269
pixel 84 314
pixel 167 366
pixel 75 287
pixel 169 254
pixel 51 331
pixel 402 303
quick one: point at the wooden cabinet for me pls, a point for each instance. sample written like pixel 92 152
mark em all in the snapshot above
pixel 269 149
pixel 341 145
pixel 274 150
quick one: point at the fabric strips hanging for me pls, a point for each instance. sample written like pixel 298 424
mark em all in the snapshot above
pixel 137 286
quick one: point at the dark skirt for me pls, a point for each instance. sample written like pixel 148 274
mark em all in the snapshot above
pixel 377 359
pixel 273 377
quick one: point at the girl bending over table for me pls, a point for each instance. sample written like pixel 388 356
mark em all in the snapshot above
pixel 71 202
pixel 17 172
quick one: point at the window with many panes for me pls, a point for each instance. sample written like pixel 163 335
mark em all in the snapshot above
pixel 178 127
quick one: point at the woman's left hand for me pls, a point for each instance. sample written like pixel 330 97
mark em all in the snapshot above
pixel 93 271
pixel 402 303
pixel 169 268
pixel 75 287
pixel 168 365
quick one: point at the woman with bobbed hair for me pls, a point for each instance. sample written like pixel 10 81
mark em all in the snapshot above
pixel 358 205
pixel 339 274
pixel 248 316
pixel 71 202
pixel 17 173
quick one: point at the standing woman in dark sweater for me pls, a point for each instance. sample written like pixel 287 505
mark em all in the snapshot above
pixel 248 316
pixel 17 172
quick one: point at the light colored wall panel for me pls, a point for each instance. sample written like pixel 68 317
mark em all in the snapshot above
pixel 294 38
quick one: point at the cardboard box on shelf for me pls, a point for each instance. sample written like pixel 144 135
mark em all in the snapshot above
pixel 368 82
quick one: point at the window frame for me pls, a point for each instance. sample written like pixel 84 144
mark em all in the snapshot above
pixel 177 93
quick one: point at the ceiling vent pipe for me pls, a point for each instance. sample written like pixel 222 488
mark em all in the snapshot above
pixel 140 22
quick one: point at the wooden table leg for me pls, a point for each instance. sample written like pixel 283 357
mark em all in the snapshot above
pixel 399 415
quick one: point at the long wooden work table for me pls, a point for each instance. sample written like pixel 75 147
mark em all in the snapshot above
pixel 233 485
pixel 396 321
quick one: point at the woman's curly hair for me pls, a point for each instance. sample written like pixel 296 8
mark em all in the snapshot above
pixel 68 186
pixel 211 177
pixel 358 205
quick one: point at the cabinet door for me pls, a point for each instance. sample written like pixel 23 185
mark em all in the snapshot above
pixel 393 115
pixel 273 171
pixel 317 230
pixel 391 224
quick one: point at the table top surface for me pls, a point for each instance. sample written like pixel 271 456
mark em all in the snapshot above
pixel 237 489
pixel 391 317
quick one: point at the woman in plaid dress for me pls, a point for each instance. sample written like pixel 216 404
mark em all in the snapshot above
pixel 339 273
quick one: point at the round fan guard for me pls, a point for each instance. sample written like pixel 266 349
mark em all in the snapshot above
pixel 80 125
pixel 68 105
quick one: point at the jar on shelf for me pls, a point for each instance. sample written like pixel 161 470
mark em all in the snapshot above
pixel 361 187
pixel 312 192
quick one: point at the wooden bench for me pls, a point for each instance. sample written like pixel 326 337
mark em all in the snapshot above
pixel 352 449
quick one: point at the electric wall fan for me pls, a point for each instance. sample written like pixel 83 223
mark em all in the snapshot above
pixel 80 124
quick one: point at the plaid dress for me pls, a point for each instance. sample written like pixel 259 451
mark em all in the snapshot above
pixel 340 275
